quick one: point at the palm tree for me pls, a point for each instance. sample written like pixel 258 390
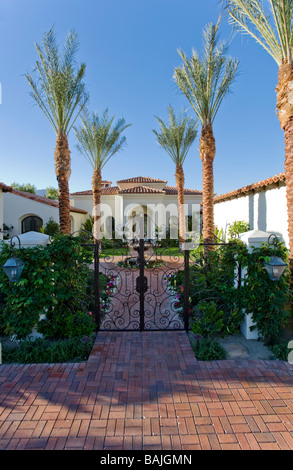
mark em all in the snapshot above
pixel 176 137
pixel 205 82
pixel 58 89
pixel 271 26
pixel 98 141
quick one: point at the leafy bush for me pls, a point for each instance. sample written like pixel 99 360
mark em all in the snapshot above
pixel 54 282
pixel 216 300
pixel 209 350
pixel 237 227
pixel 267 300
pixel 209 320
pixel 44 351
pixel 51 228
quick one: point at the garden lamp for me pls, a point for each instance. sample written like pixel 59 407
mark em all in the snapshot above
pixel 275 266
pixel 13 269
pixel 13 266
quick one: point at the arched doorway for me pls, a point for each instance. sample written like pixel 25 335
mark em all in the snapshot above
pixel 31 223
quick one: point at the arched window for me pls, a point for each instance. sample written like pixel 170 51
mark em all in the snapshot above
pixel 31 223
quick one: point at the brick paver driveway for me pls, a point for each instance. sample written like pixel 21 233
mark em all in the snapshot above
pixel 147 391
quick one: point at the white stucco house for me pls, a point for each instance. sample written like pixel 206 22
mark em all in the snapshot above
pixel 24 212
pixel 3 189
pixel 263 205
pixel 129 197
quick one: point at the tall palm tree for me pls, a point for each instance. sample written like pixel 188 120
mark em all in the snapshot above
pixel 176 137
pixel 271 25
pixel 58 89
pixel 98 141
pixel 205 82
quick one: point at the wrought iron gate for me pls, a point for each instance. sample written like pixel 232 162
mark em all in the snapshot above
pixel 152 288
pixel 141 298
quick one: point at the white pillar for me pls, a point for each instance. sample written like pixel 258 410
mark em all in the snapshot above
pixel 253 238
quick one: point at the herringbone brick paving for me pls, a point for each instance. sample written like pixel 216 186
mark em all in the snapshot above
pixel 146 391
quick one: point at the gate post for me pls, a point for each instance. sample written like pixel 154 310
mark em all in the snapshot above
pixel 97 310
pixel 141 275
pixel 186 291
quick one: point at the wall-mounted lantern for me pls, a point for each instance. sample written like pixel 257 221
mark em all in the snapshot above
pixel 13 266
pixel 275 266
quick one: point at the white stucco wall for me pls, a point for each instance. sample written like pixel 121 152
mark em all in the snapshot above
pixel 120 206
pixel 1 214
pixel 16 208
pixel 265 210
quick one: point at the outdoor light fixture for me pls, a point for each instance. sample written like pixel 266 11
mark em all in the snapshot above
pixel 275 266
pixel 13 269
pixel 13 266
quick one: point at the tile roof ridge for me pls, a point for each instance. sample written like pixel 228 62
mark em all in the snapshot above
pixel 140 179
pixel 43 200
pixel 136 188
pixel 250 187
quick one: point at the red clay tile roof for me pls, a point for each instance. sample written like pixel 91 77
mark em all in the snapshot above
pixel 168 190
pixel 43 200
pixel 141 190
pixel 5 188
pixel 142 179
pixel 110 191
pixel 251 187
pixel 173 190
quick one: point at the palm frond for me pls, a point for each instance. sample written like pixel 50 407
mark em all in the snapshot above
pixel 177 135
pixel 271 25
pixel 56 83
pixel 206 80
pixel 98 139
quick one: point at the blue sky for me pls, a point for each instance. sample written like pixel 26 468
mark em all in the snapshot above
pixel 130 50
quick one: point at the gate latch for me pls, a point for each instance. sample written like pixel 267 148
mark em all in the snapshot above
pixel 141 284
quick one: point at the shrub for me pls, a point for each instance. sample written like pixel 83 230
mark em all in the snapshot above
pixel 208 319
pixel 44 351
pixel 209 350
pixel 54 281
pixel 239 226
pixel 266 299
pixel 51 228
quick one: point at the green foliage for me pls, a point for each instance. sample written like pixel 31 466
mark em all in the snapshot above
pixel 267 300
pixel 51 228
pixel 209 320
pixel 177 136
pixel 88 224
pixel 45 351
pixel 239 226
pixel 215 299
pixel 218 301
pixel 281 351
pixel 52 193
pixel 28 188
pixel 209 350
pixel 206 80
pixel 57 84
pixel 53 282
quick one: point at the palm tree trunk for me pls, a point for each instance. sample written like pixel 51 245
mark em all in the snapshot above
pixel 63 170
pixel 179 175
pixel 97 188
pixel 285 113
pixel 289 188
pixel 207 150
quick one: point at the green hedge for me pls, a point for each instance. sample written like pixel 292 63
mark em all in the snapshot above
pixel 217 303
pixel 56 281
